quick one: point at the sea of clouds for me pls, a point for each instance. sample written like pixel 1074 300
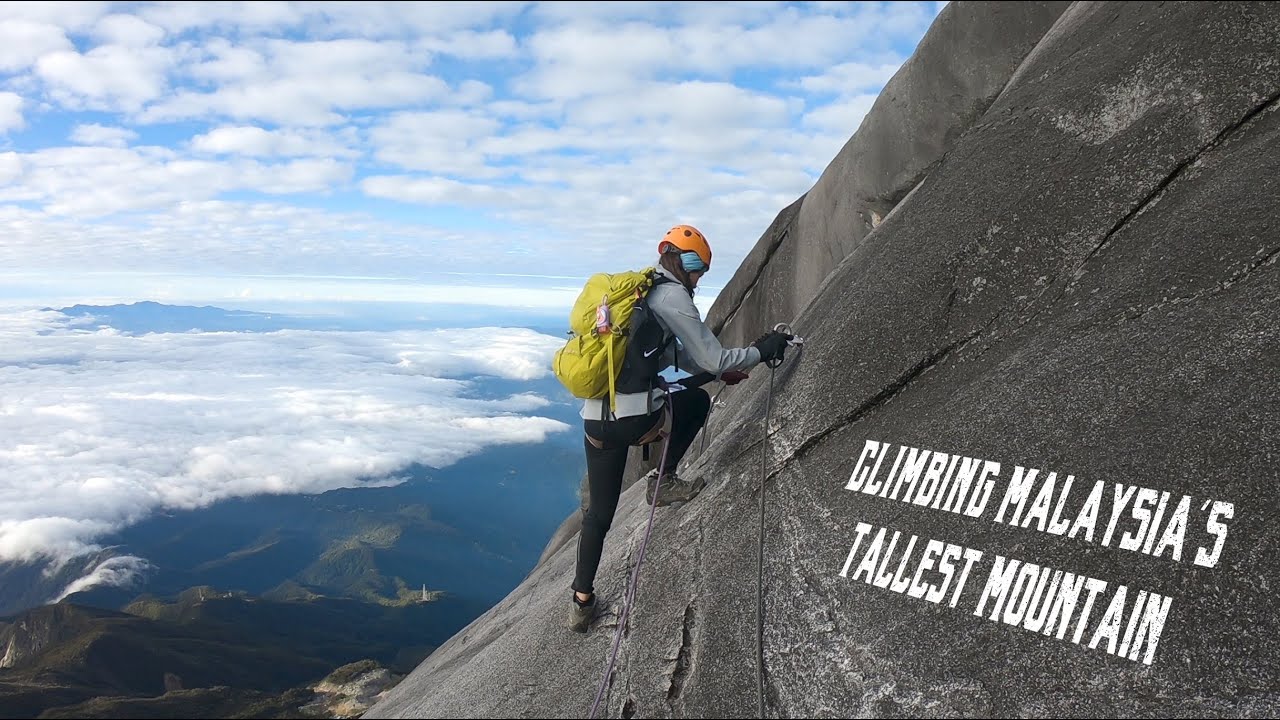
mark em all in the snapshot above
pixel 100 428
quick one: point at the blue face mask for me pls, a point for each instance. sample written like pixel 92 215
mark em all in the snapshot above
pixel 692 262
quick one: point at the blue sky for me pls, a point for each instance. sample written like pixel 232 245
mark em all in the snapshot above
pixel 234 151
pixel 457 160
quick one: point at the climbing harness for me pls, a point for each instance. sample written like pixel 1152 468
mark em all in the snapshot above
pixel 629 596
pixel 764 474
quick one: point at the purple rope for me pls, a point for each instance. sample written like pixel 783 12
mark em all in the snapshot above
pixel 631 587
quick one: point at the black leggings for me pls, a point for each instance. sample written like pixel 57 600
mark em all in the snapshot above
pixel 606 466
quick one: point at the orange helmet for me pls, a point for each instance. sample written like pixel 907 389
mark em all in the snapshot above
pixel 688 239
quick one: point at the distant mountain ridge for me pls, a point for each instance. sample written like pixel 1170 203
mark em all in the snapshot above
pixel 473 529
pixel 66 654
pixel 150 316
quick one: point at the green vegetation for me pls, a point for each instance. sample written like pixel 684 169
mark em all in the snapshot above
pixel 206 653
pixel 351 671
pixel 218 702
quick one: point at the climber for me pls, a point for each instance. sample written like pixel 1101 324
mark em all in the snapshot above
pixel 684 256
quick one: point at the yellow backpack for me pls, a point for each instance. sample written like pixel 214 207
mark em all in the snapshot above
pixel 600 328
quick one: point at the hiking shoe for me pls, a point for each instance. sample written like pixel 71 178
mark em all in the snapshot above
pixel 675 489
pixel 581 615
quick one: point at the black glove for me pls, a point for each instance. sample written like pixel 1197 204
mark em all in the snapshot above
pixel 772 345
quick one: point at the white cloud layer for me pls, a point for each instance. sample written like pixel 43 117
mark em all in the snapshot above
pixel 99 428
pixel 515 137
pixel 118 571
pixel 11 111
pixel 94 134
pixel 23 41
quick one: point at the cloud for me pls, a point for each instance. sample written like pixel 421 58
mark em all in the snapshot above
pixel 329 19
pixel 452 25
pixel 294 176
pixel 258 142
pixel 437 191
pixel 491 45
pixel 41 536
pixel 843 116
pixel 334 138
pixel 586 55
pixel 223 62
pixel 108 77
pixel 127 31
pixel 237 238
pixel 252 17
pixel 101 428
pixel 118 571
pixel 447 141
pixel 305 82
pixel 11 112
pixel 70 16
pixel 22 42
pixel 11 168
pixel 696 105
pixel 850 78
pixel 97 181
pixel 95 134
pixel 504 353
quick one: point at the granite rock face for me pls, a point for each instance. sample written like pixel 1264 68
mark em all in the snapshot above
pixel 960 66
pixel 1026 463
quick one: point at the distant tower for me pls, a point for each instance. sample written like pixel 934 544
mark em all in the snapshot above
pixel 424 592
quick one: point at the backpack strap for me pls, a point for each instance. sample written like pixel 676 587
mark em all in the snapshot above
pixel 660 279
pixel 655 278
pixel 613 391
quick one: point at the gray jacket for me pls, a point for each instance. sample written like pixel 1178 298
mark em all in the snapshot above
pixel 697 349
